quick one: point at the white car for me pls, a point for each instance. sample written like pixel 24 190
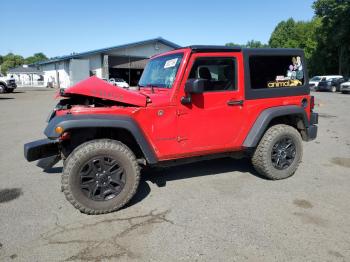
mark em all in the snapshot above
pixel 314 81
pixel 7 84
pixel 345 87
pixel 119 82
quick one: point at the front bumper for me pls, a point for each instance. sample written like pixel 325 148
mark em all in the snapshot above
pixel 345 88
pixel 11 86
pixel 42 148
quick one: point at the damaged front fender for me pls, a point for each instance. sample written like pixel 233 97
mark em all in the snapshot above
pixel 70 122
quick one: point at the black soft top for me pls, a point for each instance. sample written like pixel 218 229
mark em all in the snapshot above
pixel 219 48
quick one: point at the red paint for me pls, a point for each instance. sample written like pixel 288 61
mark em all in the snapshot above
pixel 207 125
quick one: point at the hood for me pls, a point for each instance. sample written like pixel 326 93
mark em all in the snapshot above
pixel 96 87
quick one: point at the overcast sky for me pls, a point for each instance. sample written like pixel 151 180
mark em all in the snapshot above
pixel 64 26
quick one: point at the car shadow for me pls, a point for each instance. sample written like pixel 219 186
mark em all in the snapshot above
pixel 160 176
pixel 6 98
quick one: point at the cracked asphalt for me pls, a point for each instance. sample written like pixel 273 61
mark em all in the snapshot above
pixel 216 210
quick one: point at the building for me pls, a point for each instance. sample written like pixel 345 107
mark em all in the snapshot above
pixel 124 61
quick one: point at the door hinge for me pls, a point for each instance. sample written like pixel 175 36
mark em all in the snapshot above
pixel 179 138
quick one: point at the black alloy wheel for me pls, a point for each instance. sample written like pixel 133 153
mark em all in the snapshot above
pixel 283 153
pixel 102 178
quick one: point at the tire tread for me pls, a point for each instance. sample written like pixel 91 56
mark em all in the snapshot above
pixel 83 149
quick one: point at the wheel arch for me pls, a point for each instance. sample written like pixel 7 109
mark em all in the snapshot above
pixel 88 127
pixel 290 115
pixel 3 83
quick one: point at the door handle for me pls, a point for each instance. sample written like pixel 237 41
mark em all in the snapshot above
pixel 232 102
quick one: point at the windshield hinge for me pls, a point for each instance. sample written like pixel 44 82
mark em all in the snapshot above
pixel 148 100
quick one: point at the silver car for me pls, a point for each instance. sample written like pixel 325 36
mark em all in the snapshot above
pixel 345 87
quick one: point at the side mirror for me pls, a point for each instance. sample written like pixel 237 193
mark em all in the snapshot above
pixel 196 86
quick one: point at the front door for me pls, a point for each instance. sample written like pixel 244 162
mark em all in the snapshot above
pixel 212 122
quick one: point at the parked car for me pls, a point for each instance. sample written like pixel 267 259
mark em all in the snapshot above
pixel 345 87
pixel 119 82
pixel 7 84
pixel 330 84
pixel 193 103
pixel 314 81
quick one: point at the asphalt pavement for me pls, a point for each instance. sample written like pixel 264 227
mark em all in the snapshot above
pixel 217 210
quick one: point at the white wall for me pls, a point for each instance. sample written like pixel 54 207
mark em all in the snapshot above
pixel 50 73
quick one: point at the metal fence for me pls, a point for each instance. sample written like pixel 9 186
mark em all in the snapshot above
pixel 29 83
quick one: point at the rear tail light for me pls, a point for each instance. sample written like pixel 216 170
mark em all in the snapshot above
pixel 304 102
pixel 312 103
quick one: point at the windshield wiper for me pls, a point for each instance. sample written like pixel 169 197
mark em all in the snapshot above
pixel 149 85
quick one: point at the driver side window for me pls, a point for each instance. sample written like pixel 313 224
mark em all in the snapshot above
pixel 220 72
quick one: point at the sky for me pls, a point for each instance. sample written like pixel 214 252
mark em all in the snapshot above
pixel 62 27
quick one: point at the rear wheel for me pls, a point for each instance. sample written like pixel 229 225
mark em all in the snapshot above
pixel 279 152
pixel 100 176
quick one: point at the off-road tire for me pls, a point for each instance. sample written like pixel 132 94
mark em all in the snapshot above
pixel 71 177
pixel 261 159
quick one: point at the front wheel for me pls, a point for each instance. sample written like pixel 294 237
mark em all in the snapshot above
pixel 2 89
pixel 279 152
pixel 100 176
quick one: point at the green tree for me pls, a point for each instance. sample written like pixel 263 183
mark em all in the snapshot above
pixel 255 44
pixel 38 57
pixel 249 44
pixel 333 36
pixel 300 34
pixel 232 44
pixel 11 60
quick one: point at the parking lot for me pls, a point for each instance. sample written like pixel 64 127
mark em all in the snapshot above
pixel 216 210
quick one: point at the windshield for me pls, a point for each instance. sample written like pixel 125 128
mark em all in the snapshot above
pixel 315 78
pixel 161 71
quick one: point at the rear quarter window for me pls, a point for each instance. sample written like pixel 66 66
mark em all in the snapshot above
pixel 271 72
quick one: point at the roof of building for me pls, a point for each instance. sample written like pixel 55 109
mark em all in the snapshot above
pixel 24 70
pixel 97 51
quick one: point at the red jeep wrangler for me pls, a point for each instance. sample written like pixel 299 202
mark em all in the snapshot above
pixel 191 104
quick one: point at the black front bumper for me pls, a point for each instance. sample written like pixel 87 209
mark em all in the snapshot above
pixel 11 86
pixel 311 130
pixel 42 148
